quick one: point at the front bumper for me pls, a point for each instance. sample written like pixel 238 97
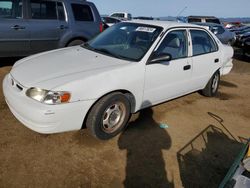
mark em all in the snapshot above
pixel 44 118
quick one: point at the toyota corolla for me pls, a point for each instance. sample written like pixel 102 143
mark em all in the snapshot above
pixel 128 67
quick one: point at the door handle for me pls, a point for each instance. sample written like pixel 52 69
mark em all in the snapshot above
pixel 17 27
pixel 186 67
pixel 62 27
pixel 216 60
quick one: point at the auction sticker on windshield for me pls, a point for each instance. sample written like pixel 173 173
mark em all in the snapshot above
pixel 146 29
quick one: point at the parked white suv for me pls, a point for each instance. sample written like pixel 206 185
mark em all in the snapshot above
pixel 128 67
pixel 121 15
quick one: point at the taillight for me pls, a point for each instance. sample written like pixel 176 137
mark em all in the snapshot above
pixel 101 27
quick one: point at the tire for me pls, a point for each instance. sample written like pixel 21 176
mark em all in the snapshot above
pixel 246 53
pixel 212 86
pixel 75 42
pixel 109 116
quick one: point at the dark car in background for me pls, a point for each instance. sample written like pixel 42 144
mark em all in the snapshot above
pixel 223 34
pixel 143 18
pixel 204 19
pixel 246 47
pixel 241 34
pixel 239 29
pixel 32 26
pixel 233 25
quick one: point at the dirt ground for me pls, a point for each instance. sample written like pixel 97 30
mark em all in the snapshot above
pixel 195 150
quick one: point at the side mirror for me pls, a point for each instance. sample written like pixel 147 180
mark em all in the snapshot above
pixel 160 58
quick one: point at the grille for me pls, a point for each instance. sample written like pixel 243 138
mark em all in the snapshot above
pixel 16 85
pixel 19 87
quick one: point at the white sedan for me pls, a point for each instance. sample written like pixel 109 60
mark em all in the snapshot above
pixel 130 66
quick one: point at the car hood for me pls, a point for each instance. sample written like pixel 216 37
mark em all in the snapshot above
pixel 50 65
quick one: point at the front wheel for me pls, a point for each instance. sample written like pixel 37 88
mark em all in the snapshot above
pixel 109 116
pixel 212 86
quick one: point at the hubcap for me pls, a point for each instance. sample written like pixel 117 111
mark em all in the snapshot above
pixel 215 83
pixel 113 117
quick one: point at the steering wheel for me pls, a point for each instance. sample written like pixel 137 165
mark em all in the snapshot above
pixel 140 45
pixel 120 38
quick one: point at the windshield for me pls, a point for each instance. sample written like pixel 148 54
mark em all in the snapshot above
pixel 128 41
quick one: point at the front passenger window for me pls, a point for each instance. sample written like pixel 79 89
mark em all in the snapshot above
pixel 175 44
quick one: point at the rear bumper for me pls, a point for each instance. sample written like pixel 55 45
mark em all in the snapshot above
pixel 226 69
pixel 44 118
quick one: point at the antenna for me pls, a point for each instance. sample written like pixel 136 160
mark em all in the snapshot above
pixel 182 10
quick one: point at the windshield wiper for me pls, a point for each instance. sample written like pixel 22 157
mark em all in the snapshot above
pixel 103 50
pixel 86 45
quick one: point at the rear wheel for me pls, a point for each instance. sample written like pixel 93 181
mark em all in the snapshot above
pixel 109 116
pixel 212 86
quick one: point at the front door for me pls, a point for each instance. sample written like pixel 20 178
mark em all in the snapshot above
pixel 169 79
pixel 14 33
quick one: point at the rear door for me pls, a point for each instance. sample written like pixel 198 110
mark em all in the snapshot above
pixel 14 34
pixel 45 24
pixel 205 57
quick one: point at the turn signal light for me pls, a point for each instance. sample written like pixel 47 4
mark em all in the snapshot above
pixel 65 97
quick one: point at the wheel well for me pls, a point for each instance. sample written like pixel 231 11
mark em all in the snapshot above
pixel 76 38
pixel 128 94
pixel 219 70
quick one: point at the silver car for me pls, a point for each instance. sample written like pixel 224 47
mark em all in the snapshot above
pixel 32 26
pixel 223 34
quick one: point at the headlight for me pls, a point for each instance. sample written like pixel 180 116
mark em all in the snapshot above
pixel 48 97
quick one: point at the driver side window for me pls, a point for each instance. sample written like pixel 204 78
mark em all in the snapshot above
pixel 175 44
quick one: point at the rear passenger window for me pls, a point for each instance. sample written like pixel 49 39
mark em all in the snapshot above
pixel 11 8
pixel 202 42
pixel 118 15
pixel 82 12
pixel 213 21
pixel 194 20
pixel 43 10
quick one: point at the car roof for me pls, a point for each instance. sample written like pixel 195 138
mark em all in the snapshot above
pixel 119 13
pixel 165 24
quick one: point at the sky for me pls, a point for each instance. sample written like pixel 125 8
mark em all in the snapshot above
pixel 162 8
